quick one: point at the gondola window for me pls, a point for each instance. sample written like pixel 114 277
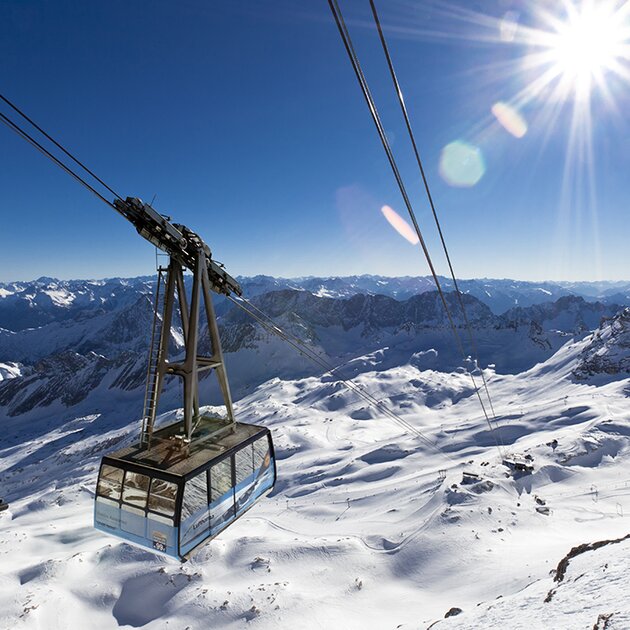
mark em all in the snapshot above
pixel 261 453
pixel 195 520
pixel 221 478
pixel 162 497
pixel 244 464
pixel 221 494
pixel 135 489
pixel 110 482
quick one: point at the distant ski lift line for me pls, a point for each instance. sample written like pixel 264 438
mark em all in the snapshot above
pixel 181 485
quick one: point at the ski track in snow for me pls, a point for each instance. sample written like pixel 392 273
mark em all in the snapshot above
pixel 368 527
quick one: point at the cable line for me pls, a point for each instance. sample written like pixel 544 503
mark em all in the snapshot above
pixel 427 189
pixel 268 325
pixel 59 146
pixel 347 41
pixel 26 136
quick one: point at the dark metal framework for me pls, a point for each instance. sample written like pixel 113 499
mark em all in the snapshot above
pixel 179 452
pixel 198 440
pixel 186 250
pixel 193 363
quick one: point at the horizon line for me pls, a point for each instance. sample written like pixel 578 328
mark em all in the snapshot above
pixel 323 277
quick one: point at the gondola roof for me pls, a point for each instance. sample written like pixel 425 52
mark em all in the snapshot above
pixel 167 455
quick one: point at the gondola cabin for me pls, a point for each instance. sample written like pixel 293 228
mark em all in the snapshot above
pixel 172 502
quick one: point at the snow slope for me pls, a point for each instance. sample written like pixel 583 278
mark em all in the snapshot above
pixel 586 595
pixel 368 526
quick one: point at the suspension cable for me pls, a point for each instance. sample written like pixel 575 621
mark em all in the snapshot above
pixel 427 189
pixel 59 146
pixel 272 326
pixel 347 41
pixel 26 136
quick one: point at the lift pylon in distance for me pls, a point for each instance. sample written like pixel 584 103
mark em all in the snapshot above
pixel 180 485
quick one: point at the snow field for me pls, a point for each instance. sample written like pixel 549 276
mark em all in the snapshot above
pixel 368 527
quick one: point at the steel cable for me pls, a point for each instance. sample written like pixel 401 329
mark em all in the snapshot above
pixel 427 189
pixel 347 41
pixel 26 136
pixel 59 146
pixel 273 328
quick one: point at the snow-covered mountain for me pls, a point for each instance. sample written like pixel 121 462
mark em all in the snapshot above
pixel 582 592
pixel 498 294
pixel 364 516
pixel 102 348
pixel 607 354
pixel 45 300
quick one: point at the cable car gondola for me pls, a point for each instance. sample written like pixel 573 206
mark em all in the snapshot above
pixel 182 484
pixel 174 502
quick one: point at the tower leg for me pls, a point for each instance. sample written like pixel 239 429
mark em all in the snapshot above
pixel 217 351
pixel 165 335
pixel 188 369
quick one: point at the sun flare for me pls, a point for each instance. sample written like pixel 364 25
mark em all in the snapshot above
pixel 590 42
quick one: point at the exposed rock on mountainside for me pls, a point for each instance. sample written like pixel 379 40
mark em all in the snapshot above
pixel 367 311
pixel 69 377
pixel 570 314
pixel 608 352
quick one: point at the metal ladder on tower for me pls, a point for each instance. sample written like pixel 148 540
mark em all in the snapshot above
pixel 151 393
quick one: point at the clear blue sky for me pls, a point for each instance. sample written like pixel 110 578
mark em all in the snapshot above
pixel 245 120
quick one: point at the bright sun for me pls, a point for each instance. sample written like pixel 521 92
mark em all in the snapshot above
pixel 587 45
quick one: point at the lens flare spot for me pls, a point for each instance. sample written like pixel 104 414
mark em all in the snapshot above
pixel 508 26
pixel 461 164
pixel 400 225
pixel 510 119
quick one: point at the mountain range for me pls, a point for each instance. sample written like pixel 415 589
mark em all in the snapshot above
pixel 45 300
pixel 69 343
